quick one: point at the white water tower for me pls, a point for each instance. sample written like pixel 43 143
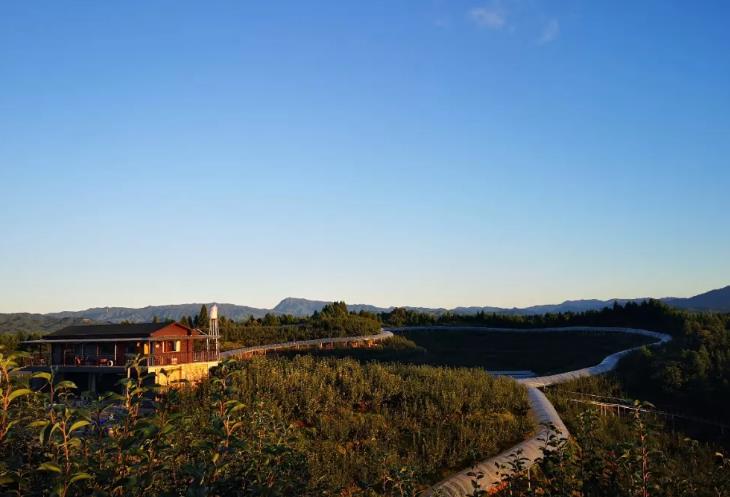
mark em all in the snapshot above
pixel 213 328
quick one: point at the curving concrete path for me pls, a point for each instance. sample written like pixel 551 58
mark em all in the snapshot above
pixel 543 412
pixel 541 409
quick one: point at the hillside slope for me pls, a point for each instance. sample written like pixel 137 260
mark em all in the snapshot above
pixel 714 300
pixel 146 314
pixel 36 323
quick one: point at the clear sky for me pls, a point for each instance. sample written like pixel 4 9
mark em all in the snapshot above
pixel 434 153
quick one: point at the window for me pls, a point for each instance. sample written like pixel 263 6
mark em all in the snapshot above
pixel 106 349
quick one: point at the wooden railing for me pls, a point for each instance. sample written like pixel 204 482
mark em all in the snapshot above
pixel 108 360
pixel 70 360
pixel 174 358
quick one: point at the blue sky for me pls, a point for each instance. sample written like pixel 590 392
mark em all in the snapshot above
pixel 435 153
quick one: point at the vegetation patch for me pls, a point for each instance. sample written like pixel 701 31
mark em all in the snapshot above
pixel 543 353
pixel 270 426
pixel 367 420
pixel 635 453
pixel 332 321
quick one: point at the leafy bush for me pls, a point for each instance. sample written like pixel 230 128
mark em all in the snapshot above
pixel 393 349
pixel 690 374
pixel 618 456
pixel 368 419
pixel 263 427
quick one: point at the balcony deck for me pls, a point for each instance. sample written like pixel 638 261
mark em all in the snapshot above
pixel 75 369
pixel 106 363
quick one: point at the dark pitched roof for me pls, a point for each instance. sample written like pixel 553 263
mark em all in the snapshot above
pixel 134 330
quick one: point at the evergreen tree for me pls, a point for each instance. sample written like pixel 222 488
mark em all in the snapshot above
pixel 270 320
pixel 334 310
pixel 202 318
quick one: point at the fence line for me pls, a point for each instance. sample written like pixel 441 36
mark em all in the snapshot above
pixel 605 406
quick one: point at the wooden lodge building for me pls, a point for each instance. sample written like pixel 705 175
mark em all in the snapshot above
pixel 95 357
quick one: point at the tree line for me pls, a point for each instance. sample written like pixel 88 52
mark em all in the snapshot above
pixel 649 314
pixel 333 320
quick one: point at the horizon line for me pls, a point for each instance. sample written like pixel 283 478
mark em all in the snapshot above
pixel 610 299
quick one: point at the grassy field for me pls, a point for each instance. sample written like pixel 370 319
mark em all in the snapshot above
pixel 365 418
pixel 543 353
pixel 269 426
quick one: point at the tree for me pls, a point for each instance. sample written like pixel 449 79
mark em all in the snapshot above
pixel 334 310
pixel 398 317
pixel 202 318
pixel 270 320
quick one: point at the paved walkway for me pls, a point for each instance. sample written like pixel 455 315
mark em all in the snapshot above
pixel 542 410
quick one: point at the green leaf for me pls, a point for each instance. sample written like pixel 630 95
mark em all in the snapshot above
pixel 79 476
pixel 65 384
pixel 56 426
pixel 44 434
pixel 43 375
pixel 17 393
pixel 38 424
pixel 77 425
pixel 6 480
pixel 49 466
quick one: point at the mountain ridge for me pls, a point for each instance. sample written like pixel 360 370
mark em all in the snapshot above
pixel 714 300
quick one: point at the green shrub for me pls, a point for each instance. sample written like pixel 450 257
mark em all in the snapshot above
pixel 264 427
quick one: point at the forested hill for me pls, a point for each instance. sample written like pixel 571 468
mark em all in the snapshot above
pixel 715 300
pixel 24 322
pixel 162 312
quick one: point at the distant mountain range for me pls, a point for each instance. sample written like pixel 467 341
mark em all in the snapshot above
pixel 162 312
pixel 715 300
pixel 36 323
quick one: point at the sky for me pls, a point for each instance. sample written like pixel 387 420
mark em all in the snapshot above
pixel 434 153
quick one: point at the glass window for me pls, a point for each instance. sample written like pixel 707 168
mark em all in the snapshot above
pixel 106 348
